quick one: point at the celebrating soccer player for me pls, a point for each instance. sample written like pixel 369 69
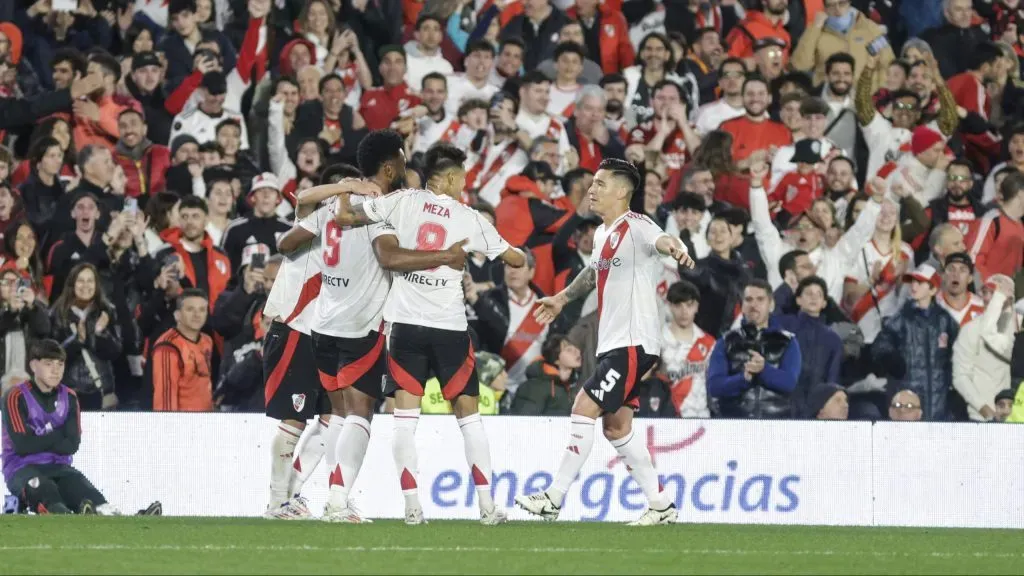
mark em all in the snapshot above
pixel 428 316
pixel 628 336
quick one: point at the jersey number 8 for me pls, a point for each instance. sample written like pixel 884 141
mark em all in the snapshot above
pixel 431 236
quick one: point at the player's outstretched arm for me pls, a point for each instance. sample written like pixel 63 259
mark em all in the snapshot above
pixel 294 240
pixel 349 215
pixel 674 247
pixel 397 259
pixel 549 308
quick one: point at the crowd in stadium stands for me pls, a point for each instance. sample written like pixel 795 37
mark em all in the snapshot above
pixel 848 175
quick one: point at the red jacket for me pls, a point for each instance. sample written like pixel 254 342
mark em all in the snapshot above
pixel 531 222
pixel 616 50
pixel 970 94
pixel 755 26
pixel 796 192
pixel 218 265
pixel 146 176
pixel 996 243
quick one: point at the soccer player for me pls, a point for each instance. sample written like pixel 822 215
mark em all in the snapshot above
pixel 628 335
pixel 428 315
pixel 347 326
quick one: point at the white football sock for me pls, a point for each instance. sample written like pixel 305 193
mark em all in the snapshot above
pixel 478 456
pixel 637 459
pixel 349 453
pixel 282 450
pixel 404 450
pixel 308 454
pixel 332 435
pixel 581 440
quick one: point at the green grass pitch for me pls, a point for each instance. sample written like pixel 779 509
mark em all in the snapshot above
pixel 93 545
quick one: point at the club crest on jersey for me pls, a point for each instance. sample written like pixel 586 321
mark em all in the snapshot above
pixel 298 402
pixel 222 267
pixel 655 403
pixel 614 239
pixel 609 30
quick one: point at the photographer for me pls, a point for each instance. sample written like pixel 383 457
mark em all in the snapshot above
pixel 23 320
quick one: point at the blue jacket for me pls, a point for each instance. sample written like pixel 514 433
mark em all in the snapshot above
pixel 915 346
pixel 767 395
pixel 41 45
pixel 821 353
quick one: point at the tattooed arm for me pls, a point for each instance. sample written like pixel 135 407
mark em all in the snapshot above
pixel 549 308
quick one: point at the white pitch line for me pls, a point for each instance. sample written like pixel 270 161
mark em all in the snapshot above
pixel 491 549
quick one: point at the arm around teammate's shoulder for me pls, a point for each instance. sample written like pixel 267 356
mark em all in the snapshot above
pixel 393 257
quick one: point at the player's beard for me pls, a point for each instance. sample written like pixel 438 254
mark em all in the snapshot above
pixel 397 183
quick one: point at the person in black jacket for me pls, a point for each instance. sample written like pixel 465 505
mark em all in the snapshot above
pixel 237 312
pixel 184 31
pixel 334 123
pixel 954 42
pixel 538 27
pixel 43 189
pixel 958 202
pixel 720 277
pixel 145 84
pixel 821 350
pixel 15 112
pixel 23 320
pixel 262 227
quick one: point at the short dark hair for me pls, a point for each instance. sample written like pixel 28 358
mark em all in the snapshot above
pixel 38 149
pixel 470 105
pixel 811 281
pixel 46 349
pixel 567 48
pixel 754 78
pixel 512 41
pixel 86 154
pixel 479 46
pixel 903 93
pixel 442 156
pixel 981 54
pixel 665 83
pixel 1012 186
pixel 788 261
pixel 573 176
pixel 727 61
pixel 689 201
pixel 625 170
pixel 434 76
pixel 337 172
pixel 229 121
pixel 847 159
pixel 376 149
pixel 193 202
pixel 211 146
pixel 813 105
pixel 129 110
pixel 190 293
pixel 552 347
pixel 329 78
pixel 108 63
pixel 177 6
pixel 534 77
pixel 760 283
pixel 427 16
pixel 285 79
pixel 839 58
pixel 614 78
pixel 682 291
pixel 963 163
pixel 71 56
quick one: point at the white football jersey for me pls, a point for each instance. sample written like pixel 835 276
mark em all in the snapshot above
pixel 628 268
pixel 297 285
pixel 354 286
pixel 427 221
pixel 888 294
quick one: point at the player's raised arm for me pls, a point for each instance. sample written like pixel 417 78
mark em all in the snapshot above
pixel 397 259
pixel 355 216
pixel 674 247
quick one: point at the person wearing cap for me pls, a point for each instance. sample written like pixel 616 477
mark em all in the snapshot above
pixel 183 35
pixel 1004 405
pixel 915 346
pixel 955 297
pixel 796 190
pixel 145 84
pixel 812 122
pixel 841 28
pixel 980 366
pixel 201 122
pixel 996 242
pixel 393 99
pixel 769 53
pixel 552 380
pixel 263 226
pixel 144 163
pixel 922 173
pixel 827 402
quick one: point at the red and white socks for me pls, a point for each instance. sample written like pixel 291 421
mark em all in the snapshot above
pixel 638 462
pixel 282 450
pixel 349 451
pixel 403 448
pixel 581 440
pixel 478 456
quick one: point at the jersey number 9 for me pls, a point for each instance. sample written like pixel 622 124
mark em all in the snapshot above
pixel 332 243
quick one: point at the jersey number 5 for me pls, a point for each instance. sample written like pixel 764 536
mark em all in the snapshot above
pixel 431 236
pixel 332 243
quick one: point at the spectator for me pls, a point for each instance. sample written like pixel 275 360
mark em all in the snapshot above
pixel 238 311
pixel 905 406
pixel 21 244
pixel 567 79
pixel 720 278
pixel 754 368
pixel 475 83
pixel 605 34
pixel 656 64
pixel 263 227
pixel 969 88
pixel 538 28
pixel 833 32
pixel 827 402
pixel 201 123
pixel 666 136
pixel 915 345
pixel 997 241
pixel 200 264
pixel 1004 405
pixel 83 320
pixel 686 351
pixel 145 84
pixel 16 112
pixel 813 121
pixel 423 55
pixel 980 366
pixel 329 119
pixel 23 320
pixel 957 205
pixel 945 239
pixel 509 64
pixel 770 22
pixel 821 350
pixel 731 73
pixel 181 374
pixel 96 117
pixel 533 121
pixel 220 201
pixel 185 34
pixel 382 105
pixel 842 115
pixel 502 157
pixel 956 40
pixel 955 296
pixel 88 242
pixel 768 58
pixel 144 163
pixel 551 381
pixel 755 131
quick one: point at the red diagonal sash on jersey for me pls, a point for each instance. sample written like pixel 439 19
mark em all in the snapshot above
pixel 525 335
pixel 554 129
pixel 475 176
pixel 604 265
pixel 453 129
pixel 887 280
pixel 310 290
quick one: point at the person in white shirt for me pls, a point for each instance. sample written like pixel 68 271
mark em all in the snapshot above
pixel 354 268
pixel 686 350
pixel 503 155
pixel 427 310
pixel 508 63
pixel 423 55
pixel 438 123
pixel 980 366
pixel 201 122
pixel 922 172
pixel 475 83
pixel 630 247
pixel 533 119
pixel 569 57
pixel 730 79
